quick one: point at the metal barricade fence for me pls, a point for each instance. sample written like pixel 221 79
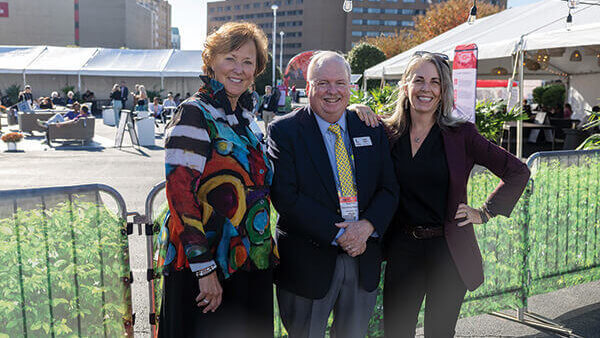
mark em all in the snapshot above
pixel 64 268
pixel 565 217
pixel 542 247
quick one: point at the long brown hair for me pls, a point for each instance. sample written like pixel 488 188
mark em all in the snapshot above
pixel 399 122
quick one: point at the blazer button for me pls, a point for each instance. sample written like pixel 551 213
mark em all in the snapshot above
pixel 338 211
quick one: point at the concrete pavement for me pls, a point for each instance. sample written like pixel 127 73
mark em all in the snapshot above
pixel 134 172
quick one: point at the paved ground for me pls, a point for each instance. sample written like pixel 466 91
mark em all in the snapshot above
pixel 134 172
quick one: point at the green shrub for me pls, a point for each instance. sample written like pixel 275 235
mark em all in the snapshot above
pixel 381 101
pixel 549 96
pixel 363 56
pixel 12 94
pixel 491 115
pixel 266 78
pixel 61 272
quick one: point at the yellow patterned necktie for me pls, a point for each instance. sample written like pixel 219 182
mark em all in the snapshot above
pixel 343 163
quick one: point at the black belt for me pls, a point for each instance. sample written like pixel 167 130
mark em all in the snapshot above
pixel 424 231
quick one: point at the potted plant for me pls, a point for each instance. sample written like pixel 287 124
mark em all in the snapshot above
pixel 11 140
pixel 491 115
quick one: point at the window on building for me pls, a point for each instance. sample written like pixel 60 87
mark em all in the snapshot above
pixel 237 7
pixel 227 8
pixel 411 1
pixel 299 1
pixel 266 4
pixel 282 13
pixel 408 23
pixel 289 2
pixel 373 22
pixel 358 10
pixel 212 10
pixel 357 33
pixel 408 11
pixel 372 34
pixel 391 0
pixel 219 9
pixel 390 23
pixel 357 21
pixel 373 0
pixel 374 10
pixel 390 11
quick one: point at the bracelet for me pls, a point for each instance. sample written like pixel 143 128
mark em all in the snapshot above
pixel 206 271
pixel 483 214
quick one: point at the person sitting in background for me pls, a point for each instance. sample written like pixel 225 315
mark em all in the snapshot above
pixel 56 99
pixel 70 115
pixel 568 111
pixel 46 103
pixel 177 99
pixel 26 95
pixel 527 109
pixel 70 97
pixel 62 120
pixel 156 108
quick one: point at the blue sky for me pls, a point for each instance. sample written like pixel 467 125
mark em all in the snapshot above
pixel 190 17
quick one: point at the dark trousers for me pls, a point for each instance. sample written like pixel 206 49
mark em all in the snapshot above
pixel 246 309
pixel 417 269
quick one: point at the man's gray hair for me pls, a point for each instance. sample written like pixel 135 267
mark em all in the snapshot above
pixel 320 57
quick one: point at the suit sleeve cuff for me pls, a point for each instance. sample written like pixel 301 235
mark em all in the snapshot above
pixel 339 234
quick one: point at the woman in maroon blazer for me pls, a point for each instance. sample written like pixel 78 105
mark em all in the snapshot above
pixel 431 247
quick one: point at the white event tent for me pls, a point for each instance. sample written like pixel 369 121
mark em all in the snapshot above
pixel 531 32
pixel 49 68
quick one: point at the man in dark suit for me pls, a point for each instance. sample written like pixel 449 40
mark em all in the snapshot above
pixel 336 192
pixel 124 93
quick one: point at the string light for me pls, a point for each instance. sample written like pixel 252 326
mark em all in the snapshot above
pixel 473 13
pixel 347 6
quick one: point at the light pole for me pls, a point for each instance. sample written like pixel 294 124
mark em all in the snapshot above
pixel 274 37
pixel 281 34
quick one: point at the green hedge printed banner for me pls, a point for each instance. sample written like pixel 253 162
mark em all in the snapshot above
pixel 564 231
pixel 64 268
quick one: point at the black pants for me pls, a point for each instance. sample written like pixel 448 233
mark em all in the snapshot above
pixel 418 268
pixel 246 309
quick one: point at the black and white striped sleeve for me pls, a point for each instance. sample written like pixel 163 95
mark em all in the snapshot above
pixel 187 141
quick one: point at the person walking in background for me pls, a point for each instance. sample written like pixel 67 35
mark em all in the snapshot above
pixel 124 94
pixel 255 100
pixel 335 191
pixel 430 246
pixel 216 249
pixel 269 105
pixel 117 102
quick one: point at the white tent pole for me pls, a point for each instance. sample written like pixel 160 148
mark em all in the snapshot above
pixel 520 122
pixel 79 81
pixel 364 84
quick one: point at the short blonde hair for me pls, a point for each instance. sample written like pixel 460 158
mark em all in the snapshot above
pixel 399 121
pixel 231 36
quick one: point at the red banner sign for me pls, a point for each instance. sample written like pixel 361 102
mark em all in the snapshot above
pixel 464 80
pixel 3 9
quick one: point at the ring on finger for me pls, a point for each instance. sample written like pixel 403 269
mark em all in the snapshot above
pixel 205 301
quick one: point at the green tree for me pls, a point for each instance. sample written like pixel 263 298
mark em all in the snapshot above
pixel 266 77
pixel 363 56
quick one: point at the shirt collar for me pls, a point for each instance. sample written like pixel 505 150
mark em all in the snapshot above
pixel 324 125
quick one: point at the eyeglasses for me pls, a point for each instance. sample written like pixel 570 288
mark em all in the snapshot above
pixel 444 57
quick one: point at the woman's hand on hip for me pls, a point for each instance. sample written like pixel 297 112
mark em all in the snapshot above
pixel 365 114
pixel 211 293
pixel 468 215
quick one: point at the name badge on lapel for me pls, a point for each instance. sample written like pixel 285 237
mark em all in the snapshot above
pixel 364 141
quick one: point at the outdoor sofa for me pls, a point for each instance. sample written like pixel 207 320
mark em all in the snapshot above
pixel 82 130
pixel 28 121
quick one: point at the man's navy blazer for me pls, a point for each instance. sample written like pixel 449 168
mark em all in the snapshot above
pixel 305 195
